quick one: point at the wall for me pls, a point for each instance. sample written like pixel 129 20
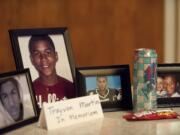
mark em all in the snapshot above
pixel 102 32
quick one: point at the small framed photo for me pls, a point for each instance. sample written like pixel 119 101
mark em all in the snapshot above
pixel 168 85
pixel 17 100
pixel 48 54
pixel 111 83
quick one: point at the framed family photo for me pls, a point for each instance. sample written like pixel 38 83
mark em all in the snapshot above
pixel 111 83
pixel 168 85
pixel 48 54
pixel 17 100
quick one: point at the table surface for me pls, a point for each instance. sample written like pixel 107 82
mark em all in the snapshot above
pixel 111 124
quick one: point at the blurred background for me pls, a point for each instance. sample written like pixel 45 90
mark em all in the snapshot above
pixel 102 32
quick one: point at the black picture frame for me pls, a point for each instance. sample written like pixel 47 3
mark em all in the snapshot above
pixel 60 36
pixel 28 110
pixel 118 71
pixel 168 98
pixel 65 65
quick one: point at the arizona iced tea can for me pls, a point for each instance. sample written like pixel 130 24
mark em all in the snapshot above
pixel 145 74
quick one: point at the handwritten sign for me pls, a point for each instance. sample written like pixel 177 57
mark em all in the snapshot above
pixel 72 111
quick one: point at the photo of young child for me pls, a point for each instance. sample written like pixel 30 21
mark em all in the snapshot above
pixel 161 92
pixel 167 86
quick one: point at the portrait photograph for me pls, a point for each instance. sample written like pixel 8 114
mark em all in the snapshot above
pixel 107 87
pixel 17 100
pixel 110 83
pixel 168 85
pixel 48 54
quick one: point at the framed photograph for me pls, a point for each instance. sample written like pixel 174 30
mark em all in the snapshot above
pixel 48 54
pixel 168 85
pixel 111 83
pixel 17 100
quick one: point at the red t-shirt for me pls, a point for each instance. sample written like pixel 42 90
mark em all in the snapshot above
pixel 62 90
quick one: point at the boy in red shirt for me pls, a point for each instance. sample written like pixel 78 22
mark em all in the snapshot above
pixel 49 86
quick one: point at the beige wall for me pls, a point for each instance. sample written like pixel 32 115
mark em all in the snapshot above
pixel 102 32
pixel 172 31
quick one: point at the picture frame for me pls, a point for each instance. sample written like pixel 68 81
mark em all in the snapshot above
pixel 17 100
pixel 57 46
pixel 60 36
pixel 168 92
pixel 117 78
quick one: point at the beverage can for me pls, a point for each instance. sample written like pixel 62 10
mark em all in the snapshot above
pixel 144 80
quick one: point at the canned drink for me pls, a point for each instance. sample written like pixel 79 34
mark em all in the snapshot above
pixel 145 75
